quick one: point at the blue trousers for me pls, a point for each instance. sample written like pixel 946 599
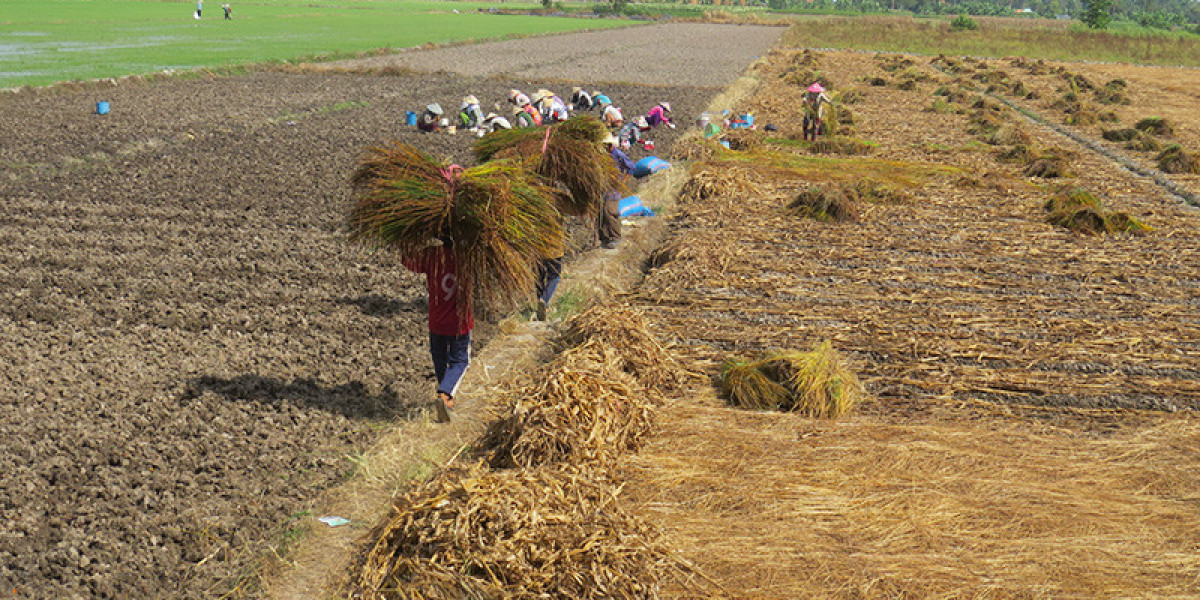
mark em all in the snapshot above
pixel 451 356
pixel 549 274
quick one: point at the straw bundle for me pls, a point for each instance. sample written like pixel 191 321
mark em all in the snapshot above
pixel 743 140
pixel 1048 163
pixel 695 148
pixel 1007 135
pixel 815 384
pixel 570 154
pixel 626 332
pixel 712 183
pixel 1080 211
pixel 824 203
pixel 586 410
pixel 1119 135
pixel 1174 159
pixel 472 534
pixel 1145 143
pixel 1155 126
pixel 501 217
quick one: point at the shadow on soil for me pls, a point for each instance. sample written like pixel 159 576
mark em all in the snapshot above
pixel 377 305
pixel 351 400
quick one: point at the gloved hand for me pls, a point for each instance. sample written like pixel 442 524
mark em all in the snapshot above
pixel 671 125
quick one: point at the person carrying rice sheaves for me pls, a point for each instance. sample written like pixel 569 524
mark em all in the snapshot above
pixel 814 101
pixel 450 324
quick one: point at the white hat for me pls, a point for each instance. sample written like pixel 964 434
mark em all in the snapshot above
pixel 469 99
pixel 666 106
pixel 610 140
pixel 512 94
pixel 434 108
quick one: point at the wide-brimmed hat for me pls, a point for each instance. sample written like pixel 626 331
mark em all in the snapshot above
pixel 610 140
pixel 512 94
pixel 434 108
pixel 816 88
pixel 666 106
pixel 469 99
pixel 576 90
pixel 641 122
pixel 490 116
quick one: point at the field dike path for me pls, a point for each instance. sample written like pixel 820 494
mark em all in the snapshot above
pixel 319 565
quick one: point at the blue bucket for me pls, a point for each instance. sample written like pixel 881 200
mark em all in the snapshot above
pixel 410 117
pixel 102 108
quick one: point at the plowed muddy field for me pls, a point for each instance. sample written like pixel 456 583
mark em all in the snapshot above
pixel 190 350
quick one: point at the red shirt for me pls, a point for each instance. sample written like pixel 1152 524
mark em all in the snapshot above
pixel 441 277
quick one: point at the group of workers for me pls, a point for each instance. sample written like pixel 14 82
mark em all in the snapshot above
pixel 544 107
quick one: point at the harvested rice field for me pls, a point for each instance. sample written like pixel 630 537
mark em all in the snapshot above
pixel 1030 426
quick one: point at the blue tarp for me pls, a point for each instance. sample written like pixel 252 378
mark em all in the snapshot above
pixel 633 207
pixel 649 165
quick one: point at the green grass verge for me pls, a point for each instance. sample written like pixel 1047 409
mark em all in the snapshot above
pixel 44 41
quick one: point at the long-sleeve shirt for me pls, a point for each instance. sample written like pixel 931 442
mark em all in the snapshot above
pixel 657 116
pixel 555 110
pixel 470 115
pixel 582 100
pixel 814 104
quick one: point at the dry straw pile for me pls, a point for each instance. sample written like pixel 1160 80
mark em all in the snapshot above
pixel 500 216
pixel 827 203
pixel 815 384
pixel 517 534
pixel 594 403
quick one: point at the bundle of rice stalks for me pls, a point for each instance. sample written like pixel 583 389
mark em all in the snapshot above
pixel 841 145
pixel 1018 153
pixel 570 154
pixel 626 331
pixel 907 85
pixel 1078 82
pixel 1144 142
pixel 473 534
pixel 1119 135
pixel 501 217
pixel 814 384
pixel 696 148
pixel 1018 89
pixel 824 203
pixel 1009 134
pixel 1048 163
pixel 879 191
pixel 1155 126
pixel 851 97
pixel 585 410
pixel 1113 92
pixel 806 77
pixel 712 183
pixel 984 123
pixel 743 140
pixel 1080 211
pixel 877 81
pixel 1174 159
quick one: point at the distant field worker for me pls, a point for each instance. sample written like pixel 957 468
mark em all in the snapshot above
pixel 449 328
pixel 494 121
pixel 431 119
pixel 553 109
pixel 470 116
pixel 228 12
pixel 658 115
pixel 526 116
pixel 813 101
pixel 612 116
pixel 518 99
pixel 631 132
pixel 581 100
pixel 600 99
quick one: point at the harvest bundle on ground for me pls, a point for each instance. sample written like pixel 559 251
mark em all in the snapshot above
pixel 815 383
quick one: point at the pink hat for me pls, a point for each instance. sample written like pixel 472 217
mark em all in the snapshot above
pixel 816 88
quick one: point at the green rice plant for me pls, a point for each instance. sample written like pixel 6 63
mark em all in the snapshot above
pixel 1079 210
pixel 570 154
pixel 1174 159
pixel 815 384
